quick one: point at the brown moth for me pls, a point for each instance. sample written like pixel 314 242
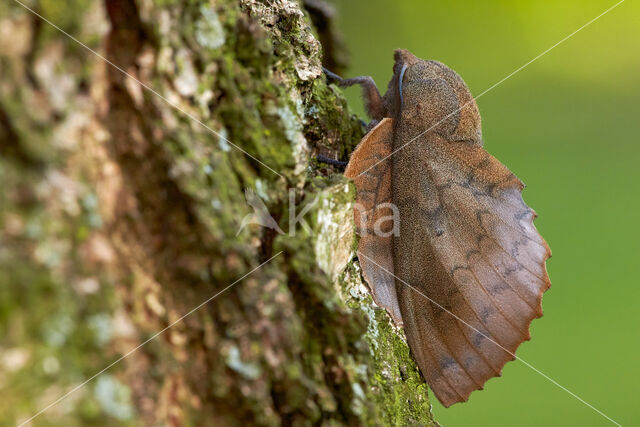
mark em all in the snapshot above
pixel 465 272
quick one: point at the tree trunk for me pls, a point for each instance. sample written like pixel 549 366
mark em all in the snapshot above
pixel 137 182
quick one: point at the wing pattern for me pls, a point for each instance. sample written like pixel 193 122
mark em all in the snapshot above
pixel 470 263
pixel 470 250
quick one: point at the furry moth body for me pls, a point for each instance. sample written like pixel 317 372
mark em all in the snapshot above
pixel 466 272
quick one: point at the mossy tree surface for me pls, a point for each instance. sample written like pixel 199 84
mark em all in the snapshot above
pixel 125 203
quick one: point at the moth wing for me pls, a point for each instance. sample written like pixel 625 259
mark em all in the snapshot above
pixel 370 170
pixel 476 265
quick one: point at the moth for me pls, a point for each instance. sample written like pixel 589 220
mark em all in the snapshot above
pixel 465 272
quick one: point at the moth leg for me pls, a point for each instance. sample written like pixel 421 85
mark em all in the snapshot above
pixel 337 163
pixel 372 99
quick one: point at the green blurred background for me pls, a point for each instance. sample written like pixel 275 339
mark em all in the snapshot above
pixel 568 126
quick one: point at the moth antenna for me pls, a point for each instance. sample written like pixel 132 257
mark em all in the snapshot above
pixel 337 163
pixel 404 68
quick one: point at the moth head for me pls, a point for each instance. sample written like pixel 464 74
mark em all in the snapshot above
pixel 428 95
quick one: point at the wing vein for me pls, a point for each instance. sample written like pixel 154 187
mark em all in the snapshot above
pixel 495 269
pixel 446 345
pixel 483 255
pixel 519 231
pixel 439 196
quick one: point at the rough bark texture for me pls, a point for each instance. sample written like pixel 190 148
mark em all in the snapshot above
pixel 117 203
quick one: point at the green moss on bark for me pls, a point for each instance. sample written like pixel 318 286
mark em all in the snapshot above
pixel 297 342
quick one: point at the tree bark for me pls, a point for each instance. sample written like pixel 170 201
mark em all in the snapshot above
pixel 146 175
